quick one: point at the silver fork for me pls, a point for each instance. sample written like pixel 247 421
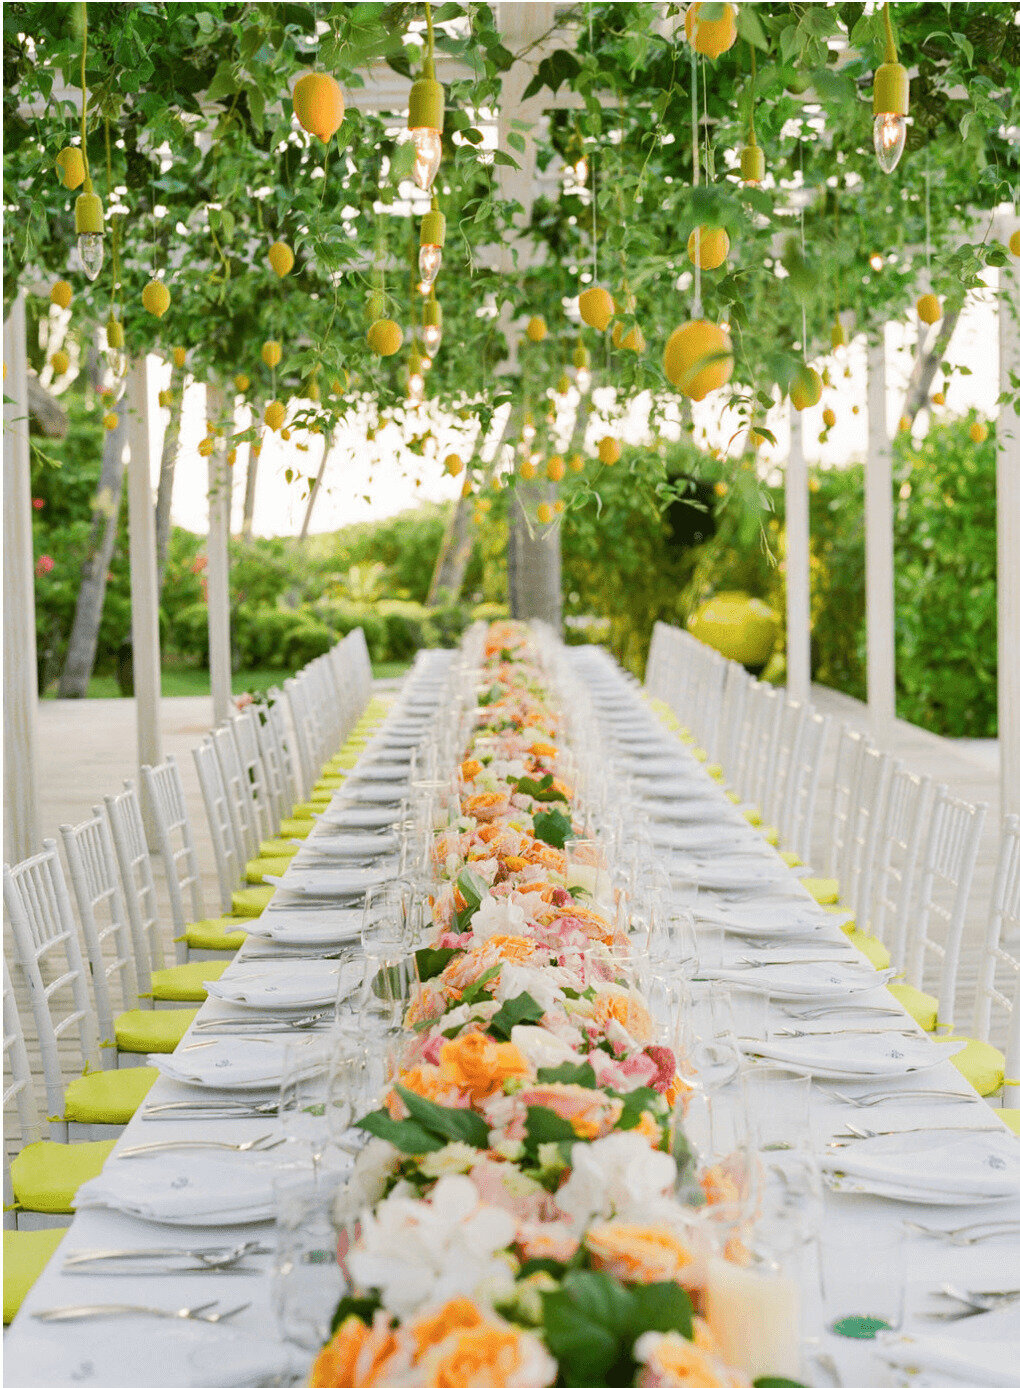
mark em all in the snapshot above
pixel 209 1259
pixel 966 1234
pixel 812 1014
pixel 263 1023
pixel 855 1131
pixel 891 1095
pixel 254 1144
pixel 186 1313
pixel 846 1031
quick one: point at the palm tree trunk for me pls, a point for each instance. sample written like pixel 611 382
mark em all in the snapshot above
pixel 314 493
pixel 928 362
pixel 167 466
pixel 455 550
pixel 251 478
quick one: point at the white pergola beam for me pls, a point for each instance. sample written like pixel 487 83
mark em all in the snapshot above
pixel 21 693
pixel 145 654
pixel 1007 510
pixel 798 566
pixel 218 565
pixel 879 576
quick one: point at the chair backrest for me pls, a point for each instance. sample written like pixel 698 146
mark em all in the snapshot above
pixel 797 812
pixel 947 870
pixel 290 764
pixel 92 864
pixel 298 697
pixel 240 798
pixel 864 825
pixel 175 839
pixel 768 710
pixel 346 687
pixel 731 715
pixel 226 848
pixel 850 748
pixel 900 837
pixel 1003 929
pixel 361 663
pixel 278 785
pixel 46 937
pixel 18 1083
pixel 245 727
pixel 788 733
pixel 656 664
pixel 127 828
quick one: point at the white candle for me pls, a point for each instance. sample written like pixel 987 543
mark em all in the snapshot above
pixel 755 1317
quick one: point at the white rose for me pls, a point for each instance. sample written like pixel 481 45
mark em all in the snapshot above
pixel 497 915
pixel 454 1157
pixel 515 979
pixel 541 1048
pixel 615 1175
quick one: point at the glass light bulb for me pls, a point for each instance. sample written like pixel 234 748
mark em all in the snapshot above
pixel 528 432
pixel 426 363
pixel 430 258
pixel 416 383
pixel 890 133
pixel 432 336
pixel 423 289
pixel 428 150
pixel 90 252
pixel 581 171
pixel 583 379
pixel 875 261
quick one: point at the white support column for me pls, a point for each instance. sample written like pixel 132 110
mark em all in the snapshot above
pixel 21 694
pixel 879 582
pixel 1007 510
pixel 218 571
pixel 798 566
pixel 145 656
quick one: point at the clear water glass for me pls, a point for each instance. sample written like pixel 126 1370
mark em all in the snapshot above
pixel 307 1277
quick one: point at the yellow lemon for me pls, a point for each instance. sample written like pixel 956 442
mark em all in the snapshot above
pixel 576 463
pixel 544 512
pixel 453 464
pixel 285 435
pixel 559 507
pixel 1014 242
pixel 241 383
pixel 597 307
pixel 71 166
pixel 555 468
pixel 713 249
pixel 180 356
pixel 838 335
pixel 527 469
pixel 633 342
pixel 275 414
pixel 828 417
pixel 929 310
pixel 939 398
pixel 61 294
pixel 904 424
pixel 165 398
pixel 609 450
pixel 232 457
pixel 206 447
pixel 156 298
pixel 978 431
pixel 385 337
pixel 318 104
pixel 281 258
pixel 114 334
pixel 563 384
pixel 581 357
pixel 60 362
pixel 110 421
pixel 698 358
pixel 272 353
pixel 710 36
pixel 536 329
pixel 805 388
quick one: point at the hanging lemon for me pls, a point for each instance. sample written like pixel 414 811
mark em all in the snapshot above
pixel 559 507
pixel 61 294
pixel 338 386
pixel 978 431
pixel 205 447
pixel 563 384
pixel 708 247
pixel 165 398
pixel 285 435
pixel 633 342
pixel 281 258
pixel 710 36
pixel 156 298
pixel 527 469
pixel 318 105
pixel 272 353
pixel 71 166
pixel 60 362
pixel 576 463
pixel 544 512
pixel 180 356
pixel 939 398
pixel 698 358
pixel 805 388
pixel 929 310
pixel 828 417
pixel 752 164
pixel 313 392
pixel 609 450
pixel 453 464
pixel 114 334
pixel 1014 242
pixel 274 415
pixel 597 307
pixel 232 457
pixel 385 337
pixel 555 468
pixel 838 335
pixel 241 383
pixel 904 424
pixel 536 329
pixel 112 419
pixel 581 357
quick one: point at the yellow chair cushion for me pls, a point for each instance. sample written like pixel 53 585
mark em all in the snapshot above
pixel 716 771
pixel 186 982
pixel 873 949
pixel 923 1007
pixel 152 1031
pixel 752 816
pixel 295 828
pixel 251 901
pixel 214 933
pixel 256 869
pixel 770 833
pixel 26 1253
pixel 790 858
pixel 303 810
pixel 980 1064
pixel 343 761
pixel 278 848
pixel 108 1096
pixel 1011 1118
pixel 825 890
pixel 734 798
pixel 46 1175
pixel 699 754
pixel 329 780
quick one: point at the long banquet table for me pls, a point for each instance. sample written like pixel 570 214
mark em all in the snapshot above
pixel 139 1350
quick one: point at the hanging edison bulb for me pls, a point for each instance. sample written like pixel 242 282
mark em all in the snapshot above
pixel 89 223
pixel 425 122
pixel 431 243
pixel 890 104
pixel 432 324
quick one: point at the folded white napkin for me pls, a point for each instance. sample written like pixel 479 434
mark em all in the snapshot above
pixel 855 1056
pixel 370 769
pixel 334 925
pixel 354 792
pixel 991 1364
pixel 355 817
pixel 966 1164
pixel 334 881
pixel 185 1187
pixel 698 837
pixel 748 918
pixel 790 982
pixel 747 872
pixel 228 1062
pixel 300 983
pixel 340 846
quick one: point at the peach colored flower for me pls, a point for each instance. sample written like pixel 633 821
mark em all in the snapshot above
pixel 591 1113
pixel 628 1011
pixel 355 1357
pixel 459 1314
pixel 431 1084
pixel 638 1252
pixel 492 1356
pixel 478 1065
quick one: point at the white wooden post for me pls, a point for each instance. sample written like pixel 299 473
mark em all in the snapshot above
pixel 145 657
pixel 21 692
pixel 880 598
pixel 218 570
pixel 1007 509
pixel 798 566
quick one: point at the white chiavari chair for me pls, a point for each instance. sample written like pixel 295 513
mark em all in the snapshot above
pixel 998 981
pixel 225 834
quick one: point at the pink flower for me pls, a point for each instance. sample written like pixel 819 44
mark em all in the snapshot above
pixel 37 503
pixel 43 565
pixel 200 564
pixel 665 1064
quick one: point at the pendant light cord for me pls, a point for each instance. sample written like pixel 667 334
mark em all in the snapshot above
pixel 803 256
pixel 84 93
pixel 890 42
pixel 594 187
pixel 696 158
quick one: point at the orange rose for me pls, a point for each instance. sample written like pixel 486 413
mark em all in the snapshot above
pixel 458 1314
pixel 484 1358
pixel 637 1252
pixel 427 1081
pixel 479 1066
pixel 354 1358
pixel 628 1011
pixel 543 749
pixel 677 1363
pixel 513 947
pixel 469 769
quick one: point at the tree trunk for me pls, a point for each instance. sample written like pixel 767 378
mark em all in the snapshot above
pixel 251 478
pixel 167 466
pixel 313 494
pixel 928 362
pixel 88 612
pixel 45 410
pixel 455 551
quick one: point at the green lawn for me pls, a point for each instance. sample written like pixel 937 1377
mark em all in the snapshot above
pixel 178 682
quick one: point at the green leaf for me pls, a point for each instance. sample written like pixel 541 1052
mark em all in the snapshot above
pixel 405 1134
pixel 472 889
pixel 507 161
pixel 567 1073
pixel 522 1008
pixel 553 827
pixel 542 1125
pixel 455 1124
pixel 477 989
pixel 543 789
pixel 585 1324
pixel 634 1105
pixel 364 1307
pixel 770 1381
pixel 432 962
pixel 661 1306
